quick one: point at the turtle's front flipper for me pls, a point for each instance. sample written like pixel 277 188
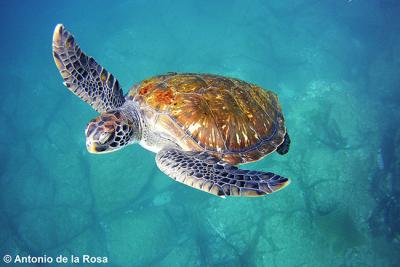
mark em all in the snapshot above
pixel 83 76
pixel 207 173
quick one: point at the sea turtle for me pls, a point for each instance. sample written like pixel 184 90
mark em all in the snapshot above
pixel 200 125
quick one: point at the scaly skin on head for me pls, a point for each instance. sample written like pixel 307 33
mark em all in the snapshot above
pixel 113 130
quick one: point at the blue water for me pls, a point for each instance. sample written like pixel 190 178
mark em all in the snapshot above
pixel 335 65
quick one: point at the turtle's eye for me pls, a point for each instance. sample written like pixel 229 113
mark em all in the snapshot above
pixel 104 137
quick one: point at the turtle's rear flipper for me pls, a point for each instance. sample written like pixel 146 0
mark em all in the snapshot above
pixel 284 147
pixel 83 76
pixel 207 173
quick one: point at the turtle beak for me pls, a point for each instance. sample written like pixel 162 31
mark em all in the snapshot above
pixel 95 148
pixel 91 148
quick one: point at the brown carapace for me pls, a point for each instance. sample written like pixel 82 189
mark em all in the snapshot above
pixel 235 121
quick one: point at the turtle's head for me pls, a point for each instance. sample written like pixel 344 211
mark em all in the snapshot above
pixel 111 131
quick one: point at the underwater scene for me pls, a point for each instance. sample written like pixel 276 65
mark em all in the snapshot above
pixel 335 67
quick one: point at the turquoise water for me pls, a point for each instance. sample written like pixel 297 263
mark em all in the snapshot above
pixel 334 64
